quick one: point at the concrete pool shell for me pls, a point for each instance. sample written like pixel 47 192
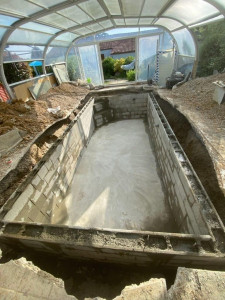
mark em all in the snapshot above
pixel 28 214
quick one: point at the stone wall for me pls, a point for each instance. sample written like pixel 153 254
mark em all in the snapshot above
pixel 43 195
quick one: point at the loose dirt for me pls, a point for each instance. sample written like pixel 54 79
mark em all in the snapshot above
pixel 194 100
pixel 33 118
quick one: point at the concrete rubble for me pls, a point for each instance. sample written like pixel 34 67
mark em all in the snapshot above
pixel 154 289
pixel 29 282
pixel 198 284
pixel 10 139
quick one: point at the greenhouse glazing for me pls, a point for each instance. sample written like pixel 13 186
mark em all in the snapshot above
pixel 50 30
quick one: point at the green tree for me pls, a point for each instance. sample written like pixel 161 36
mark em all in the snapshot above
pixel 211 41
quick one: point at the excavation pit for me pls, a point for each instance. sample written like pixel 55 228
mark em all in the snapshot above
pixel 119 188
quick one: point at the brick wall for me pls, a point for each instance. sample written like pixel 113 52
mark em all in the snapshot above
pixel 43 195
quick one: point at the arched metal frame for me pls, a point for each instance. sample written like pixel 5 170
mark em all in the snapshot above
pixel 69 3
pixel 134 26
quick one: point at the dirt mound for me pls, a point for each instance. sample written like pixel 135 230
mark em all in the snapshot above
pixel 198 93
pixel 33 116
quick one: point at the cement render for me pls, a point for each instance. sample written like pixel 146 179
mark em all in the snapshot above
pixel 116 184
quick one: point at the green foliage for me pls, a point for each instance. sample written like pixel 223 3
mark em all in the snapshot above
pixel 73 68
pixel 88 80
pixel 211 47
pixel 118 63
pixel 131 75
pixel 117 68
pixel 108 67
pixel 128 60
pixel 112 67
pixel 18 71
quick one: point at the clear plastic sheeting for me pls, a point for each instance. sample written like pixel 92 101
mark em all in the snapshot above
pixel 21 7
pixel 22 53
pixel 106 24
pixel 85 40
pixel 2 31
pixel 117 33
pixel 152 7
pixel 40 27
pixel 189 11
pixel 7 20
pixel 132 9
pixel 120 22
pixel 166 42
pixel 90 63
pixel 74 67
pixel 29 37
pixel 113 7
pixel 185 42
pixel 55 55
pixel 47 3
pixel 220 17
pixel 184 64
pixel 58 21
pixel 168 23
pixel 93 8
pixel 131 21
pixel 83 31
pixel 64 39
pixel 147 57
pixel 145 21
pixel 150 30
pixel 76 14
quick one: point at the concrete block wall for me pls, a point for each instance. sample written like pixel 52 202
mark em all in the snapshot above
pixel 174 173
pixel 43 195
pixel 129 106
pixel 115 246
pixel 119 107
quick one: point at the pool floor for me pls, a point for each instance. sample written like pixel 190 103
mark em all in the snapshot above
pixel 116 184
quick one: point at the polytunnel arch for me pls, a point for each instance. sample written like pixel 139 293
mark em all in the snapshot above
pixel 197 221
pixel 96 11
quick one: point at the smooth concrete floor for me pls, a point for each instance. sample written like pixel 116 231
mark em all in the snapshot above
pixel 116 184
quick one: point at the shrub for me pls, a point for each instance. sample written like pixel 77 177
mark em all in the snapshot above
pixel 131 75
pixel 117 68
pixel 108 67
pixel 73 68
pixel 128 60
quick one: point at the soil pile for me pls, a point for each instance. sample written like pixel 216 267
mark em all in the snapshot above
pixel 194 100
pixel 197 95
pixel 33 116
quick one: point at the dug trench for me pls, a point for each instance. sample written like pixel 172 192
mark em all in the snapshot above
pixel 84 279
pixel 196 152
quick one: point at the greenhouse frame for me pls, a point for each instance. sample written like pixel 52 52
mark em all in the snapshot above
pixel 75 28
